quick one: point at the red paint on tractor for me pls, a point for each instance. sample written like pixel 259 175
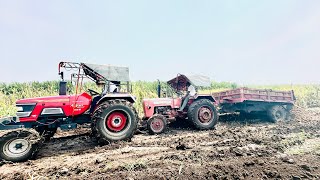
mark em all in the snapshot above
pixel 72 105
pixel 150 104
pixel 157 125
pixel 116 121
pixel 205 114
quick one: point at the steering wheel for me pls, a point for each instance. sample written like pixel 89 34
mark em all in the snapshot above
pixel 179 93
pixel 93 92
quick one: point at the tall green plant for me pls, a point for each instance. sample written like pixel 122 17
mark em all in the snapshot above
pixel 307 95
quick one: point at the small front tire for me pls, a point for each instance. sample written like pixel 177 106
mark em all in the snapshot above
pixel 157 124
pixel 18 146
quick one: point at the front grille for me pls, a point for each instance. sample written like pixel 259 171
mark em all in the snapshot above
pixel 24 110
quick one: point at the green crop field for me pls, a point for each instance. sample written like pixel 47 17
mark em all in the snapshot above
pixel 307 95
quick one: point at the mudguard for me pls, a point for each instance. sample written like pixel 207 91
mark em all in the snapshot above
pixel 127 97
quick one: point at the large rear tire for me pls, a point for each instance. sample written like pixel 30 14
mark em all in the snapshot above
pixel 202 114
pixel 19 146
pixel 114 120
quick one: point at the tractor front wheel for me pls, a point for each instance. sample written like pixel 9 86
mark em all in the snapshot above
pixel 114 120
pixel 202 114
pixel 18 146
pixel 157 124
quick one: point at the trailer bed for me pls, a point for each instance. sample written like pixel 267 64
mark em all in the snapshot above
pixel 243 94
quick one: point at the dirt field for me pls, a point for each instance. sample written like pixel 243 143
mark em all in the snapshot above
pixel 249 149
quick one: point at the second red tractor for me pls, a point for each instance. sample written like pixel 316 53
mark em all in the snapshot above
pixel 200 109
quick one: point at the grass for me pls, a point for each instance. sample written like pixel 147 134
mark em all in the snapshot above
pixel 307 95
pixel 311 145
pixel 135 166
pixel 295 139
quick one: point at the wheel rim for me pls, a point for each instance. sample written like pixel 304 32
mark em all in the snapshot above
pixel 17 147
pixel 279 115
pixel 116 121
pixel 157 125
pixel 205 114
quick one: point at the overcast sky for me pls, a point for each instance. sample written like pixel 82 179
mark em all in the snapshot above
pixel 247 41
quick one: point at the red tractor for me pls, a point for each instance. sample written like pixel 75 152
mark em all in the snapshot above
pixel 111 114
pixel 200 109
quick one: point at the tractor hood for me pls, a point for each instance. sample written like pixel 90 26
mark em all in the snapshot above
pixel 44 99
pixel 159 101
pixel 53 99
pixel 149 105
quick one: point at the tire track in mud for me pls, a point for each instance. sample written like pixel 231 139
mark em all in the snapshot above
pixel 235 150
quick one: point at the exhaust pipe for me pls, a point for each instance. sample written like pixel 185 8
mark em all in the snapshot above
pixel 159 89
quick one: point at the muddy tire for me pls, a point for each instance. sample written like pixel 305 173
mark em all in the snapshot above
pixel 202 114
pixel 114 120
pixel 157 124
pixel 18 146
pixel 277 113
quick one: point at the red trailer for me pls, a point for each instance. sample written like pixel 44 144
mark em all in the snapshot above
pixel 275 104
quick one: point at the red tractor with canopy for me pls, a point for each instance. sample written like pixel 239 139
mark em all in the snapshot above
pixel 111 114
pixel 200 109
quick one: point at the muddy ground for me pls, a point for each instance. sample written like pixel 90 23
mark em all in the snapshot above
pixel 250 149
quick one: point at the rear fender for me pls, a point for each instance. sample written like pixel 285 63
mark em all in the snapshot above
pixel 127 97
pixel 209 97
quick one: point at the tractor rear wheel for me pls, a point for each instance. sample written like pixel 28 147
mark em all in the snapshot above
pixel 157 124
pixel 202 114
pixel 114 120
pixel 19 146
pixel 277 113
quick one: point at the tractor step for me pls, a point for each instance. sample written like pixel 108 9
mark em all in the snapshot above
pixel 66 127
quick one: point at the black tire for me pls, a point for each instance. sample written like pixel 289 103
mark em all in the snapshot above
pixel 20 139
pixel 157 124
pixel 203 121
pixel 107 133
pixel 277 113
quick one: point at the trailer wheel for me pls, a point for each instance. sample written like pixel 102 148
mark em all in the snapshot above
pixel 202 114
pixel 18 146
pixel 114 120
pixel 277 113
pixel 157 124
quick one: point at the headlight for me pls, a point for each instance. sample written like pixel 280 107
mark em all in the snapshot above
pixel 20 108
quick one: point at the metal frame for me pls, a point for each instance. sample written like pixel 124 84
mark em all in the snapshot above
pixel 86 72
pixel 11 122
